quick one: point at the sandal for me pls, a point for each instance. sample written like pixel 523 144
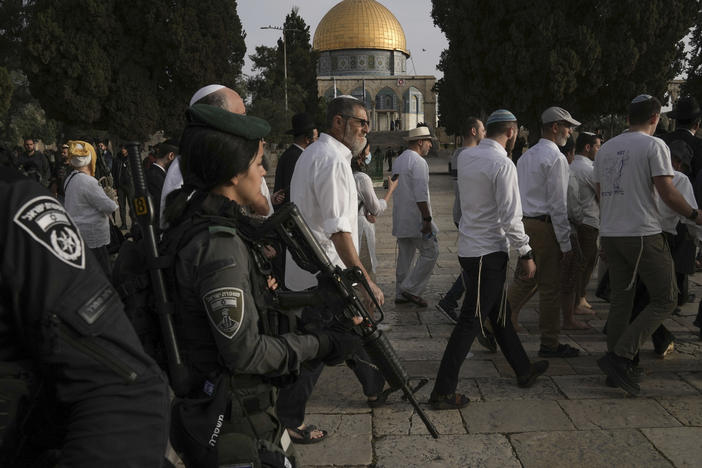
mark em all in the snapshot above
pixel 380 398
pixel 416 299
pixel 450 401
pixel 304 436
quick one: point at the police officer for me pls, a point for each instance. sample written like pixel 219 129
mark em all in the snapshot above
pixel 226 338
pixel 77 388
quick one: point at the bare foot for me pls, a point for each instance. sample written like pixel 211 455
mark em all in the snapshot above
pixel 584 303
pixel 580 310
pixel 574 325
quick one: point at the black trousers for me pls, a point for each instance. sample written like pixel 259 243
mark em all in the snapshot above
pixel 292 399
pixel 492 282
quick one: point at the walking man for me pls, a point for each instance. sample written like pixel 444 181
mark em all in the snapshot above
pixel 543 186
pixel 627 169
pixel 491 216
pixel 411 220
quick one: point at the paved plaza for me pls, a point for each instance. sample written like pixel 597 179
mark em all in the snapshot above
pixel 568 418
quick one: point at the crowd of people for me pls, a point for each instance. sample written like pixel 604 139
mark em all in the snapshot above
pixel 252 366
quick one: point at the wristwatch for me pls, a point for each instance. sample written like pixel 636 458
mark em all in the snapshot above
pixel 427 219
pixel 693 215
pixel 527 256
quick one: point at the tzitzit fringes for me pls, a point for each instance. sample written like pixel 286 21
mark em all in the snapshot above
pixel 477 301
pixel 502 315
pixel 636 268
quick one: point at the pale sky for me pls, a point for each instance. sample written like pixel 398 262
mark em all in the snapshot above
pixel 424 40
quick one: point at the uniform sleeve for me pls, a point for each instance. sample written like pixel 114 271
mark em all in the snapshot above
pixel 367 194
pixel 98 371
pixel 330 187
pixel 556 199
pixel 224 288
pixel 510 208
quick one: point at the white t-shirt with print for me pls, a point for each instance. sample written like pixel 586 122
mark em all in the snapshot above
pixel 624 168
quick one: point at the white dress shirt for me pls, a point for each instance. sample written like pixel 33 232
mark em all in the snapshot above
pixel 581 169
pixel 670 218
pixel 412 188
pixel 324 190
pixel 491 211
pixel 172 182
pixel 543 187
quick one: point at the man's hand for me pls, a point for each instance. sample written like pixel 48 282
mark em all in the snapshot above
pixel 426 227
pixel 370 218
pixel 527 268
pixel 377 292
pixel 278 197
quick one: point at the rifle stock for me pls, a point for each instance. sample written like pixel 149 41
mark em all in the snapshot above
pixel 143 208
pixel 288 224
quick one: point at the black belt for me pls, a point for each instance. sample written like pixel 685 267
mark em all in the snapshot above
pixel 543 218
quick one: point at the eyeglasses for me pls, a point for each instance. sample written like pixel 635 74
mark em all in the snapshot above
pixel 363 122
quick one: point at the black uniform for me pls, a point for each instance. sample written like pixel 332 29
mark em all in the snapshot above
pixel 284 170
pixel 225 332
pixel 59 312
pixel 123 182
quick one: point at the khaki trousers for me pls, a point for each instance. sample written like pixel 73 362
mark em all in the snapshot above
pixel 547 256
pixel 655 269
pixel 587 237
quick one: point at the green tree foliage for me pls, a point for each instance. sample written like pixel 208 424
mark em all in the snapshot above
pixel 693 85
pixel 267 87
pixel 589 57
pixel 6 90
pixel 129 66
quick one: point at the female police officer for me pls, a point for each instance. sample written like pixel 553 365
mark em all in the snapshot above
pixel 223 329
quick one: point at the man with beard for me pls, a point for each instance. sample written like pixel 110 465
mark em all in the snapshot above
pixel 62 168
pixel 543 185
pixel 411 219
pixel 324 190
pixel 491 221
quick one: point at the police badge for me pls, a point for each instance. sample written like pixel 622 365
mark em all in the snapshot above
pixel 225 309
pixel 47 222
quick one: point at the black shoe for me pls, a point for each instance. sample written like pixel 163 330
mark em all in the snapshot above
pixel 537 368
pixel 561 351
pixel 488 341
pixel 620 372
pixel 446 402
pixel 637 375
pixel 448 312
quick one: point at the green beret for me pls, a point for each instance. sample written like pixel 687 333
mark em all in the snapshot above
pixel 245 126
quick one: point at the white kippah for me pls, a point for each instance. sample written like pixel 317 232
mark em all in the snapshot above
pixel 204 91
pixel 641 98
pixel 80 161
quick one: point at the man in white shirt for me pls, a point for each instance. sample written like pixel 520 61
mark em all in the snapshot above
pixel 491 222
pixel 627 169
pixel 411 220
pixel 324 190
pixel 543 186
pixel 473 132
pixel 588 229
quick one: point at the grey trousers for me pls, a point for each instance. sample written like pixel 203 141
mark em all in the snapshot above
pixel 655 269
pixel 412 274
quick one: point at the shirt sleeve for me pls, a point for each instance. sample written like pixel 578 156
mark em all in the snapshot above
pixel 331 189
pixel 98 199
pixel 510 208
pixel 556 199
pixel 575 207
pixel 659 159
pixel 366 194
pixel 420 181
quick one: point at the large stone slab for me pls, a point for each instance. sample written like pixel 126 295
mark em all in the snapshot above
pixel 687 410
pixel 337 391
pixel 348 441
pixel 507 389
pixel 576 387
pixel 419 349
pixel 693 378
pixel 515 416
pixel 681 445
pixel 666 384
pixel 470 368
pixel 617 413
pixel 470 450
pixel 592 449
pixel 402 419
pixel 400 331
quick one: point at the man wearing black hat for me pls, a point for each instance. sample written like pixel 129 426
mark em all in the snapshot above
pixel 304 133
pixel 687 113
pixel 156 173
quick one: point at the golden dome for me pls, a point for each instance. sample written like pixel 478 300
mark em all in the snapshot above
pixel 359 24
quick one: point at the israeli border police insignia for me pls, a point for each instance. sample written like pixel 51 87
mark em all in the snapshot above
pixel 225 309
pixel 47 222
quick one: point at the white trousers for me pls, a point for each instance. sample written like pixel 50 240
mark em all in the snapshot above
pixel 413 271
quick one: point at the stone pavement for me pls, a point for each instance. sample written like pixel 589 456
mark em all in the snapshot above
pixel 568 418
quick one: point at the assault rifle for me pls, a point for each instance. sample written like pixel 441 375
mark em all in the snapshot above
pixel 143 207
pixel 337 286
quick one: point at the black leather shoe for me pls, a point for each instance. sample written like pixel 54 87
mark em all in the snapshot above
pixel 562 351
pixel 619 370
pixel 537 368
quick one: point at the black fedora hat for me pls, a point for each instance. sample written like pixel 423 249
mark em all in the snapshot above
pixel 302 123
pixel 686 108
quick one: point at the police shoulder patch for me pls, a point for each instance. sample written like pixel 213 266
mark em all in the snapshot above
pixel 225 309
pixel 47 222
